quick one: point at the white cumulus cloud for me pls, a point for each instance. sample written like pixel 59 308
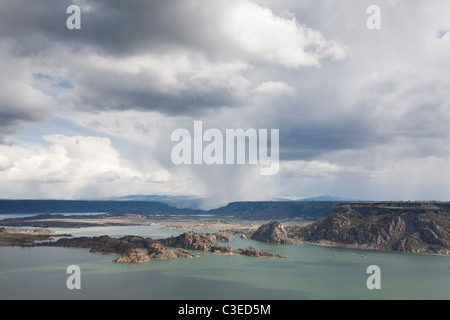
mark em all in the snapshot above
pixel 276 40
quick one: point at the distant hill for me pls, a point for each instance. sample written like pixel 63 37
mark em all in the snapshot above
pixel 268 210
pixel 86 206
pixel 277 210
pixel 326 198
pixel 194 202
pixel 180 202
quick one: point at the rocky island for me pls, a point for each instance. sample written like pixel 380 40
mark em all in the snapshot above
pixel 415 227
pixel 131 248
pixel 134 249
pixel 207 242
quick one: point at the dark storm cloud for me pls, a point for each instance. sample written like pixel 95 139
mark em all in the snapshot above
pixel 33 34
pixel 111 27
pixel 20 101
pixel 206 50
pixel 348 101
pixel 167 56
pixel 308 141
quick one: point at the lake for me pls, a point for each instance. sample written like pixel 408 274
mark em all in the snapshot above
pixel 312 272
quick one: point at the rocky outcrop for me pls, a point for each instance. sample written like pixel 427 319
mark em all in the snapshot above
pixel 132 249
pixel 154 251
pixel 157 250
pixel 135 255
pixel 407 227
pixel 243 233
pixel 191 240
pixel 252 252
pixel 206 242
pixel 224 236
pixel 272 232
pixel 185 254
pixel 223 250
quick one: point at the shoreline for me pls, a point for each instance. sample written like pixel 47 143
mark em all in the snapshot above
pixel 10 237
pixel 169 222
pixel 180 223
pixel 356 247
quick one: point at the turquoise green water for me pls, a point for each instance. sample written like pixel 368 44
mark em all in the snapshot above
pixel 312 272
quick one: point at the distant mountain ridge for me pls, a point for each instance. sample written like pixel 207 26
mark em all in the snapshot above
pixel 327 198
pixel 247 210
pixel 88 206
pixel 306 209
pixel 194 202
pixel 180 202
pixel 318 198
pixel 264 210
pixel 281 210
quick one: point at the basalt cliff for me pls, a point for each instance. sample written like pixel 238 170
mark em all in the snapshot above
pixel 273 232
pixel 407 227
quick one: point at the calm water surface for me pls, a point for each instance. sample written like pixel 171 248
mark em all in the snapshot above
pixel 312 272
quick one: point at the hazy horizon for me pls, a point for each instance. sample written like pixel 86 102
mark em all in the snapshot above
pixel 199 203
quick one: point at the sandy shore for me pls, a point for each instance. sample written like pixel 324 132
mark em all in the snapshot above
pixel 168 222
pixel 206 223
pixel 15 237
pixel 60 221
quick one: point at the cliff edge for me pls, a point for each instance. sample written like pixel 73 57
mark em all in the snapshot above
pixel 273 232
pixel 407 227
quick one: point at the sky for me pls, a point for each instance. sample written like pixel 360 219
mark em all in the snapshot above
pixel 88 113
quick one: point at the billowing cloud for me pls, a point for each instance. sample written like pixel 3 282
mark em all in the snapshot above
pixel 271 39
pixel 177 57
pixel 349 102
pixel 69 165
pixel 21 101
pixel 5 163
